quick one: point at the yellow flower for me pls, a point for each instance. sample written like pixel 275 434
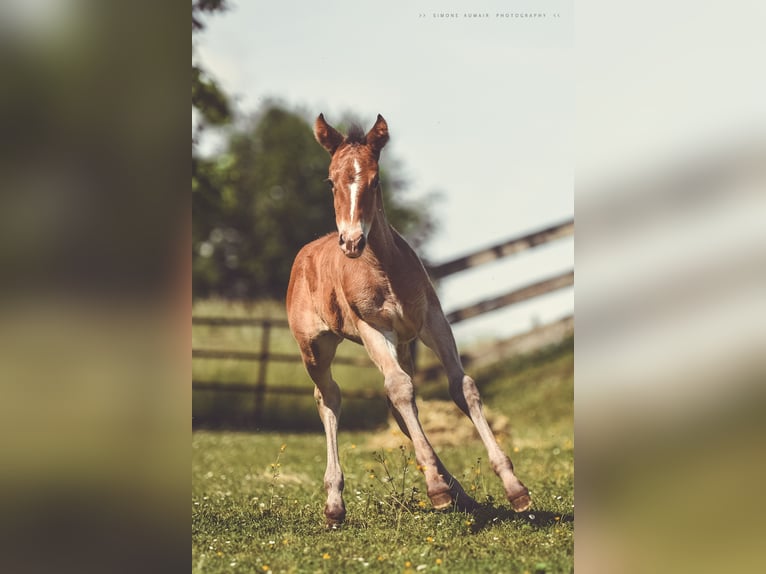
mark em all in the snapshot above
pixel 429 539
pixel 282 448
pixel 353 446
pixel 407 564
pixel 326 556
pixel 438 561
pixel 265 568
pixel 421 504
pixel 380 559
pixel 421 468
pixel 515 449
pixel 557 518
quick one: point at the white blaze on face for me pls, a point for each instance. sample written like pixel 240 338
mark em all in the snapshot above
pixel 354 188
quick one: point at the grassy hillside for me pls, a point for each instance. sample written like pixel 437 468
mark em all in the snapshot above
pixel 257 497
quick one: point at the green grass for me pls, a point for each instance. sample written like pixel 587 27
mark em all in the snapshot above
pixel 256 508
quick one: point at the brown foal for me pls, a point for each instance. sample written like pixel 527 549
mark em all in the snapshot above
pixel 366 284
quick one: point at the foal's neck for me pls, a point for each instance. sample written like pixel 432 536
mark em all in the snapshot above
pixel 381 237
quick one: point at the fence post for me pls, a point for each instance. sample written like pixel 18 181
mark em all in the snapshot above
pixel 260 385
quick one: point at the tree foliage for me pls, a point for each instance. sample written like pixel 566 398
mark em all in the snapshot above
pixel 208 99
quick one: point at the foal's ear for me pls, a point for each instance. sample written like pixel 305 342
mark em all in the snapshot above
pixel 377 137
pixel 326 135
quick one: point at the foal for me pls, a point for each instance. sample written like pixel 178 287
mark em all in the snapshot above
pixel 366 284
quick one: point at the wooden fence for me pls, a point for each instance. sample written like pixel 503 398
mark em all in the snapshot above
pixel 504 249
pixel 263 356
pixel 538 336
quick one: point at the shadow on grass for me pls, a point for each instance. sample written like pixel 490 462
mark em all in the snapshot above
pixel 487 516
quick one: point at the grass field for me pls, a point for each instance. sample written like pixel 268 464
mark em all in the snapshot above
pixel 257 497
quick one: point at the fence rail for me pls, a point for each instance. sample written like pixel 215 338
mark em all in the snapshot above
pixel 238 322
pixel 504 249
pixel 535 338
pixel 301 390
pixel 515 296
pixel 265 356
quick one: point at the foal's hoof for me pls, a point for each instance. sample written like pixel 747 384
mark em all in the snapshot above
pixel 441 500
pixel 521 502
pixel 334 519
pixel 458 500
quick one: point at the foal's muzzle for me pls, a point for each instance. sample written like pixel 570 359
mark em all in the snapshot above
pixel 352 245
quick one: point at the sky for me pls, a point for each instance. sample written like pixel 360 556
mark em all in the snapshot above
pixel 480 109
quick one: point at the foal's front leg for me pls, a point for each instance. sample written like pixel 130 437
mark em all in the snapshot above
pixel 317 356
pixel 328 403
pixel 442 488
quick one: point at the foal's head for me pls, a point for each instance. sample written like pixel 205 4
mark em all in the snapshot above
pixel 354 179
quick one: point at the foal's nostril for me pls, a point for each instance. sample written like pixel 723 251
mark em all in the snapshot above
pixel 341 239
pixel 361 244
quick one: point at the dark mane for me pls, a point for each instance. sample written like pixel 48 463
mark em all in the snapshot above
pixel 356 135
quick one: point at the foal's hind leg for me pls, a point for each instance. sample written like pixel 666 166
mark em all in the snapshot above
pixel 441 487
pixel 318 354
pixel 437 334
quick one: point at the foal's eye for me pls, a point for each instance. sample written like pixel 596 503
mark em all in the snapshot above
pixel 330 184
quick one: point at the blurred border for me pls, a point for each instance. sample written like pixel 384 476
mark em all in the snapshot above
pixel 94 290
pixel 671 320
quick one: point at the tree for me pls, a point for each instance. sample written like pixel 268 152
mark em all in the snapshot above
pixel 210 106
